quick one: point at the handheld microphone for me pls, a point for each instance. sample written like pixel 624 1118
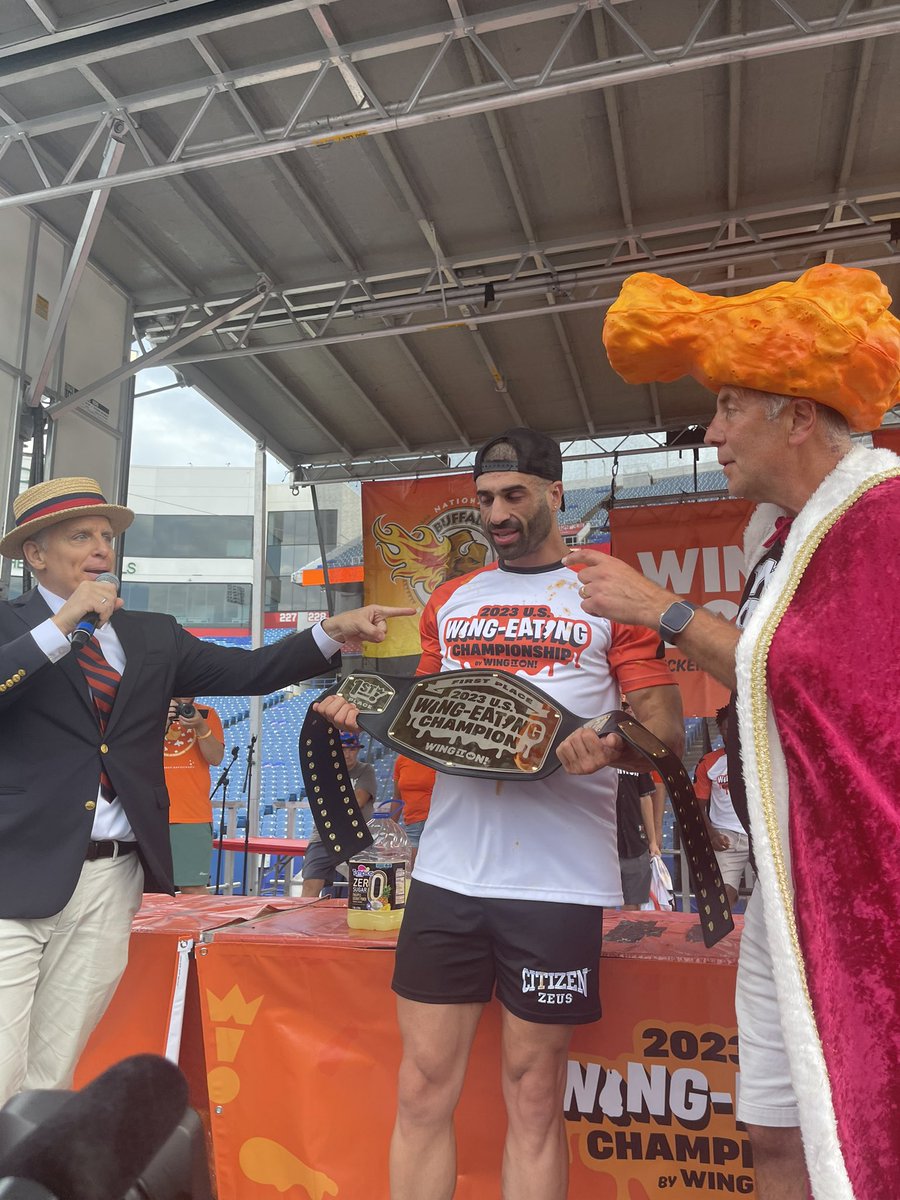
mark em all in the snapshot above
pixel 87 626
pixel 101 1140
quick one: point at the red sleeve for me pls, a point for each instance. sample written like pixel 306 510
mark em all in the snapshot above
pixel 702 785
pixel 430 662
pixel 633 658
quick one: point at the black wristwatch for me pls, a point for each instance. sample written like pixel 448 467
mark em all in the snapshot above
pixel 675 620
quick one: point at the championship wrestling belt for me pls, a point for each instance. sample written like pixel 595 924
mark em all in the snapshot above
pixel 486 724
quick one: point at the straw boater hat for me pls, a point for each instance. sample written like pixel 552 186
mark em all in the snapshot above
pixel 828 336
pixel 58 500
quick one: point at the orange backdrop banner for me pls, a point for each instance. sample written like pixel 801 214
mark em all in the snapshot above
pixel 139 1018
pixel 696 551
pixel 887 439
pixel 416 534
pixel 302 1051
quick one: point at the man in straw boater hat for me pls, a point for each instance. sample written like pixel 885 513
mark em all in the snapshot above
pixel 812 659
pixel 83 803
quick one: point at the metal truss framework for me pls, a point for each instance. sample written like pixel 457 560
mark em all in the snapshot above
pixel 556 278
pixel 500 89
pixel 858 227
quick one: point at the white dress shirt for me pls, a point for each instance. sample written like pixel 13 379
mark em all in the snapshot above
pixel 109 815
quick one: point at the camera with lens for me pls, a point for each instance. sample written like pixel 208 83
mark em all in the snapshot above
pixel 184 709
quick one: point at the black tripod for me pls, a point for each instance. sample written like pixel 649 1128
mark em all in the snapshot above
pixel 222 783
pixel 248 777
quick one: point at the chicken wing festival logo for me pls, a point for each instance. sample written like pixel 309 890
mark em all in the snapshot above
pixel 418 533
pixel 425 556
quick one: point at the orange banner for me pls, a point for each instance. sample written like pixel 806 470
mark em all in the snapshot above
pixel 145 1014
pixel 302 1051
pixel 416 534
pixel 887 439
pixel 139 1018
pixel 694 550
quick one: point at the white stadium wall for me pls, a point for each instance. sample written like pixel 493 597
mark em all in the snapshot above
pixel 91 437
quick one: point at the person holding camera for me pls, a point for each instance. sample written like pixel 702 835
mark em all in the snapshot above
pixel 194 742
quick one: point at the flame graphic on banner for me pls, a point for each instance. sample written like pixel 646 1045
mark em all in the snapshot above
pixel 423 559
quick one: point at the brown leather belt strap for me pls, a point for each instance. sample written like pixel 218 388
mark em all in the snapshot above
pixel 716 920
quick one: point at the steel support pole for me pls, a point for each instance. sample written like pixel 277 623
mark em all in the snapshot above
pixel 326 578
pixel 257 638
pixel 81 252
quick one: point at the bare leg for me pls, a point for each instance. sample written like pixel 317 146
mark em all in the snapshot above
pixel 312 887
pixel 535 1158
pixel 437 1039
pixel 779 1163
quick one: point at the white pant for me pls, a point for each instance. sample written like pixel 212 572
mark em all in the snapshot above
pixel 733 861
pixel 766 1092
pixel 58 974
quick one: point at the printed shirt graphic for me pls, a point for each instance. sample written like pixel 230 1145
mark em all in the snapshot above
pixel 551 839
pixel 187 772
pixel 711 785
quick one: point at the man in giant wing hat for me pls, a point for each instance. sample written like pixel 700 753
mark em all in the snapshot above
pixel 812 661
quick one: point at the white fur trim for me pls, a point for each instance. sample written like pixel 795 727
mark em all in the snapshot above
pixel 809 1076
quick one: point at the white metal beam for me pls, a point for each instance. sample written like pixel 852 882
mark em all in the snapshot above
pixel 503 92
pixel 78 261
pixel 889 257
pixel 156 357
pixel 809 228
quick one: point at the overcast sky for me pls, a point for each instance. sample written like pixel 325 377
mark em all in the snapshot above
pixel 179 428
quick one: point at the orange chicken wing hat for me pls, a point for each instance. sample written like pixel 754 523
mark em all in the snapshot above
pixel 828 336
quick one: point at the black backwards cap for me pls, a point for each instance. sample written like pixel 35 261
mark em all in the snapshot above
pixel 525 451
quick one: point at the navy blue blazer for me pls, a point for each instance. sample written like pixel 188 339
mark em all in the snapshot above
pixel 50 742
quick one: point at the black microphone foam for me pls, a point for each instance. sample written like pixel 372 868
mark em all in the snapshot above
pixel 87 626
pixel 100 1141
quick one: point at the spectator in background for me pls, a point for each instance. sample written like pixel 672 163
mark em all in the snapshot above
pixel 636 838
pixel 413 785
pixel 727 834
pixel 191 746
pixel 319 868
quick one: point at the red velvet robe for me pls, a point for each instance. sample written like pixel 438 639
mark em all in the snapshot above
pixel 820 732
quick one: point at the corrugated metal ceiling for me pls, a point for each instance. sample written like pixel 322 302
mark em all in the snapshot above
pixel 441 196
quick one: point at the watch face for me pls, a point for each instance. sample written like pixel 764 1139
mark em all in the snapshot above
pixel 676 617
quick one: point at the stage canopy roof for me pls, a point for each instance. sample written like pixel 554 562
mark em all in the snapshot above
pixel 377 230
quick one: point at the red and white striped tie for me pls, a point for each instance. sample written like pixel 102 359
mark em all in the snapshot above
pixel 103 680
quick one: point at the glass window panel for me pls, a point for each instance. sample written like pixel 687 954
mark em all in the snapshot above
pixel 190 536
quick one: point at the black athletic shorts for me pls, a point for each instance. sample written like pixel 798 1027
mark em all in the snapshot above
pixel 543 957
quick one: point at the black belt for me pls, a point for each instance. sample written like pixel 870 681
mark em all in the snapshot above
pixel 108 848
pixel 529 725
pixel 712 901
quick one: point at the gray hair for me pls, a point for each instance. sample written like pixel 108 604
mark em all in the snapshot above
pixel 834 424
pixel 40 539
